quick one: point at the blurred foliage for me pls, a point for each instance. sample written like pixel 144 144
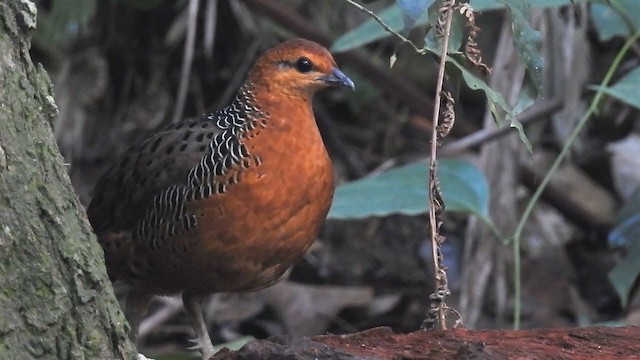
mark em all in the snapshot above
pixel 617 18
pixel 526 40
pixel 626 89
pixel 411 11
pixel 60 21
pixel 627 234
pixel 368 197
pixel 370 31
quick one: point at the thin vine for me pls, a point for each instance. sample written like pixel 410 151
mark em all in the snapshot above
pixel 593 107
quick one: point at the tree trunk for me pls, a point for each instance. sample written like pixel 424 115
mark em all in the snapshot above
pixel 55 299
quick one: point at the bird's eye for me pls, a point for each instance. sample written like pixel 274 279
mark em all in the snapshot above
pixel 304 65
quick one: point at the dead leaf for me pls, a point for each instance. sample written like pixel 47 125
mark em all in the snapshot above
pixel 625 165
pixel 308 309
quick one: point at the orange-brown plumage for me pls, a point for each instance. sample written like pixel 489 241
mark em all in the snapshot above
pixel 229 201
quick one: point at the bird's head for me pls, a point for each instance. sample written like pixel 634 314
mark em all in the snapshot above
pixel 298 68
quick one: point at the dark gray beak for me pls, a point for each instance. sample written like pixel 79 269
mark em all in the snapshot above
pixel 338 78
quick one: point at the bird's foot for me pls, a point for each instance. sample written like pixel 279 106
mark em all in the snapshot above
pixel 142 357
pixel 205 348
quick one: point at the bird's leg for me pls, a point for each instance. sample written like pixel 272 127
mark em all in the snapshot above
pixel 192 303
pixel 137 306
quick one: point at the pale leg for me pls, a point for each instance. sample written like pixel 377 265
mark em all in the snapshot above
pixel 192 303
pixel 137 306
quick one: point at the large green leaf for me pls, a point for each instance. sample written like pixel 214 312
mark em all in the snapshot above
pixel 496 104
pixel 527 42
pixel 625 89
pixel 404 191
pixel 626 233
pixel 370 30
pixel 624 275
pixel 609 23
pixel 411 11
pixel 485 5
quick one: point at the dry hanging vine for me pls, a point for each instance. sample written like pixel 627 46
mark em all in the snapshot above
pixel 438 309
pixel 471 49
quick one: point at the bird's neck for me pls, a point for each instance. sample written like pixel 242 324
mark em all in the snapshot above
pixel 243 114
pixel 257 106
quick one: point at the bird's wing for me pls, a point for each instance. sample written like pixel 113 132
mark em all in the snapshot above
pixel 127 190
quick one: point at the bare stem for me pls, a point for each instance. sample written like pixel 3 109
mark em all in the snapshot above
pixel 439 274
pixel 437 306
pixel 187 60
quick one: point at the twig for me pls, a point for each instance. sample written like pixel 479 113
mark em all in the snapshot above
pixel 189 45
pixel 170 307
pixel 238 76
pixel 480 137
pixel 211 19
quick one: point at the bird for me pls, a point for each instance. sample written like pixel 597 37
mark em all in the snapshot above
pixel 226 202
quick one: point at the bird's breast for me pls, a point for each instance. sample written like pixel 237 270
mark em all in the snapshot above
pixel 269 218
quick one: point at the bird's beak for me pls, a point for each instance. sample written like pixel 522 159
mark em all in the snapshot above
pixel 337 78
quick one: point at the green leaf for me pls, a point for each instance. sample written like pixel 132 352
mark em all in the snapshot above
pixel 464 187
pixel 526 41
pixel 234 345
pixel 609 23
pixel 528 95
pixel 433 43
pixel 411 10
pixel 370 30
pixel 626 89
pixel 62 22
pixel 626 233
pixel 625 274
pixel 495 100
pixel 404 191
pixel 485 5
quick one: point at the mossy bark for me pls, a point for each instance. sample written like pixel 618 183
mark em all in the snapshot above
pixel 56 301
